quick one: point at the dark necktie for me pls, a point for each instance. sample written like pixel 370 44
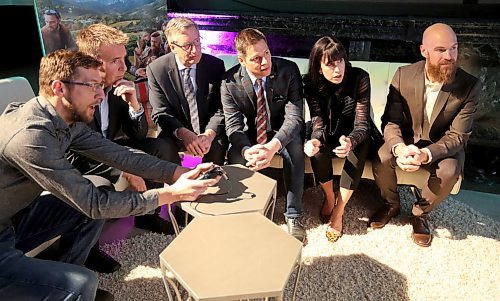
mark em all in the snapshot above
pixel 261 114
pixel 190 94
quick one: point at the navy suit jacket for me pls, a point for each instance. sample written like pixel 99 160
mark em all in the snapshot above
pixel 283 94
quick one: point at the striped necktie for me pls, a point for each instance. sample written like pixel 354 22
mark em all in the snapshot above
pixel 261 114
pixel 190 94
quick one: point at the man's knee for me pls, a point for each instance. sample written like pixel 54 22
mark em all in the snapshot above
pixel 384 155
pixel 234 156
pixel 165 149
pixel 448 170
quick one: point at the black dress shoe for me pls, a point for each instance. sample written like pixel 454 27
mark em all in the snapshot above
pixel 382 216
pixel 103 295
pixel 421 234
pixel 101 262
pixel 154 223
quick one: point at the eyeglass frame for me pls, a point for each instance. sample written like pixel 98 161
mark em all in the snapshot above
pixel 94 86
pixel 52 12
pixel 190 44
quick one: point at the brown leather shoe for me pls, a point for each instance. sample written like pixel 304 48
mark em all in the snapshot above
pixel 382 216
pixel 421 234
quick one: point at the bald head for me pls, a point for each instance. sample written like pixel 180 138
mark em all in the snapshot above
pixel 438 32
pixel 440 49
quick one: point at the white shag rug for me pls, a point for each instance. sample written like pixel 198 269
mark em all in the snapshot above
pixel 463 262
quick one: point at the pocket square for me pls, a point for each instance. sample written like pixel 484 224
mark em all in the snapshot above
pixel 278 98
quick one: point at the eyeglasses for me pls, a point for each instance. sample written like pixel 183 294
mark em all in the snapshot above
pixel 94 86
pixel 52 12
pixel 189 46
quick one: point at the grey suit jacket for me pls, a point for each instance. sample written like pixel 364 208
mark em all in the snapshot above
pixel 450 121
pixel 283 94
pixel 170 106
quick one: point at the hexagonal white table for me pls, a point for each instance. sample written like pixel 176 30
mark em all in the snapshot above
pixel 243 191
pixel 239 256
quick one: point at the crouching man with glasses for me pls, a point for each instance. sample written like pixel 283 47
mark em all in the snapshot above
pixel 37 135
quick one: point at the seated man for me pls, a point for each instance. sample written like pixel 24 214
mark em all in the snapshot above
pixel 184 91
pixel 119 117
pixel 426 123
pixel 37 135
pixel 267 93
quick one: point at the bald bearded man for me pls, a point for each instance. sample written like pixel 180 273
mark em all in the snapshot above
pixel 426 123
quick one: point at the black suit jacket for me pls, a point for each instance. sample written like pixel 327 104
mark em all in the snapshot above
pixel 283 94
pixel 120 120
pixel 170 106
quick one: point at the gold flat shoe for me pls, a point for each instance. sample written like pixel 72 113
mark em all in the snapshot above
pixel 333 236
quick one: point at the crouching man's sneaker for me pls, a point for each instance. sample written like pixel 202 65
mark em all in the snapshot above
pixel 295 228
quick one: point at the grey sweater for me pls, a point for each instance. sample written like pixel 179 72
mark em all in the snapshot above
pixel 33 144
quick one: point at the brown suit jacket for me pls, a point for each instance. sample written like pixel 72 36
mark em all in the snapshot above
pixel 451 119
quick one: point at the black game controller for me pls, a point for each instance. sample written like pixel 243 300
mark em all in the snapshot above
pixel 213 173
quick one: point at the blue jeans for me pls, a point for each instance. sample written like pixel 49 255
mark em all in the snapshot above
pixel 293 173
pixel 26 278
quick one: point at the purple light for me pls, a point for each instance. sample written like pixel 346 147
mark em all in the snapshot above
pixel 190 161
pixel 201 19
pixel 218 42
pixel 214 42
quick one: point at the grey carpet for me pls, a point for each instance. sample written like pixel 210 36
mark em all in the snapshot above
pixel 462 263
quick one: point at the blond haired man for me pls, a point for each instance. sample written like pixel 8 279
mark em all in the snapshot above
pixel 120 113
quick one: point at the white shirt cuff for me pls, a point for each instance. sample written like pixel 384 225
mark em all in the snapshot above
pixel 135 115
pixel 428 155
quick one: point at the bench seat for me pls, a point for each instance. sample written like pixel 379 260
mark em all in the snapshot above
pixel 381 74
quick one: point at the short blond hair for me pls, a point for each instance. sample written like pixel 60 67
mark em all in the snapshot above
pixel 90 39
pixel 178 25
pixel 62 65
pixel 247 37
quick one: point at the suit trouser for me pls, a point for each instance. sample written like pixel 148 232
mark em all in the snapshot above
pixel 217 153
pixel 26 278
pixel 352 171
pixel 293 173
pixel 444 174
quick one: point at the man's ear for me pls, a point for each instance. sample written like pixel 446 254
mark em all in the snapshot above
pixel 241 60
pixel 57 88
pixel 423 51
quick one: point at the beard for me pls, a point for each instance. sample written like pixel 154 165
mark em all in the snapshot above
pixel 442 72
pixel 79 116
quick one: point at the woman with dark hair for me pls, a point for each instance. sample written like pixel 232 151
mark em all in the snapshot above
pixel 338 96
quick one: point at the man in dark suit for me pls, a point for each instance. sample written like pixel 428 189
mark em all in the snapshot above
pixel 262 101
pixel 427 123
pixel 184 91
pixel 120 117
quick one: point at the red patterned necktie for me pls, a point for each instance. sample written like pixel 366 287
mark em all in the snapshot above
pixel 261 114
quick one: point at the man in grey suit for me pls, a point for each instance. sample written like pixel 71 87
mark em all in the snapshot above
pixel 427 122
pixel 262 101
pixel 184 91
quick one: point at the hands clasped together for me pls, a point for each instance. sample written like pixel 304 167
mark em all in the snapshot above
pixel 311 147
pixel 197 144
pixel 410 157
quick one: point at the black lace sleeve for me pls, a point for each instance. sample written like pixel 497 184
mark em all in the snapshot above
pixel 361 128
pixel 314 102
